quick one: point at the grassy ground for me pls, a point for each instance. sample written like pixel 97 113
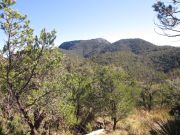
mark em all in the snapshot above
pixel 139 122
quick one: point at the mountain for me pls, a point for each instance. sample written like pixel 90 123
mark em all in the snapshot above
pixel 137 46
pixel 85 48
pixel 130 53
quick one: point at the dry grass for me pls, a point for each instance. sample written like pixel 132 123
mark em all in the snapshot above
pixel 139 122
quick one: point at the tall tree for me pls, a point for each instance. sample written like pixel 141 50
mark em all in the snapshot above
pixel 6 3
pixel 153 89
pixel 26 69
pixel 79 84
pixel 168 16
pixel 169 23
pixel 118 91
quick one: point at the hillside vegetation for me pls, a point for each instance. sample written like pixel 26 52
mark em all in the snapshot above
pixel 161 58
pixel 127 87
pixel 154 68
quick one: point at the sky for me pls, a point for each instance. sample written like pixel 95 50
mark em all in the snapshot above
pixel 88 19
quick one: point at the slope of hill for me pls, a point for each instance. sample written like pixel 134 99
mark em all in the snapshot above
pixel 137 46
pixel 85 48
pixel 126 52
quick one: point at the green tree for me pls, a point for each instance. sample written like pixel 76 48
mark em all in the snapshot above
pixel 163 96
pixel 119 92
pixel 153 91
pixel 27 71
pixel 79 81
pixel 168 16
pixel 174 83
pixel 6 3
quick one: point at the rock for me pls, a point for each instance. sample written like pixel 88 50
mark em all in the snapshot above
pixel 97 132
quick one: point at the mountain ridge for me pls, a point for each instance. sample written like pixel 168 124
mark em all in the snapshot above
pixel 163 58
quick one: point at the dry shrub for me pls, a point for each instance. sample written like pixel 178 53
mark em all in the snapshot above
pixel 139 122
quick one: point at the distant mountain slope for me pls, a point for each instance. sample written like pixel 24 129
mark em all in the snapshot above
pixel 165 58
pixel 137 46
pixel 69 45
pixel 137 51
pixel 85 48
pixel 135 65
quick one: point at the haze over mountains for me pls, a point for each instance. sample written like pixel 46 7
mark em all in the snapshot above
pixel 125 52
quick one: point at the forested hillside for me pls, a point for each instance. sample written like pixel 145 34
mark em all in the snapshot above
pixel 85 48
pixel 138 51
pixel 151 67
pixel 127 87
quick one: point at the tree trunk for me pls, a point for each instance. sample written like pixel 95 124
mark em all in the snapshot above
pixel 77 110
pixel 38 118
pixel 88 118
pixel 32 132
pixel 114 123
pixel 114 110
pixel 144 101
pixel 57 128
pixel 26 117
pixel 162 102
pixel 150 103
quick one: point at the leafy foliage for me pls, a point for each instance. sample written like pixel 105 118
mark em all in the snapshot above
pixel 118 91
pixel 27 71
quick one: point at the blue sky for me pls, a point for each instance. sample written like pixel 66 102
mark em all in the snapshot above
pixel 87 19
